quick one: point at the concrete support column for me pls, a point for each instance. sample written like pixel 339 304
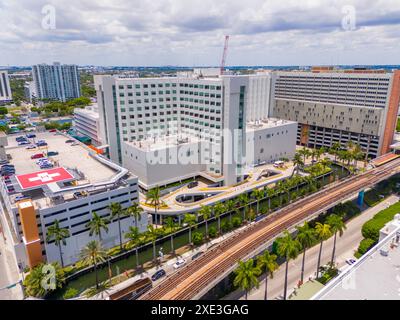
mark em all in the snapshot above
pixel 360 199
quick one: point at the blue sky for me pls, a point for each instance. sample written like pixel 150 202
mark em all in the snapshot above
pixel 191 32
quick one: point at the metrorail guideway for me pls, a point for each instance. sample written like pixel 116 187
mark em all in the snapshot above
pixel 191 281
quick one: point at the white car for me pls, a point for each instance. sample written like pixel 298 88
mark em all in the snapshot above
pixel 179 263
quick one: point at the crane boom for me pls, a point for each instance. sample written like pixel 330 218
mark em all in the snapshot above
pixel 224 55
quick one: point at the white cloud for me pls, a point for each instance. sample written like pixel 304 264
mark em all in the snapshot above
pixel 188 32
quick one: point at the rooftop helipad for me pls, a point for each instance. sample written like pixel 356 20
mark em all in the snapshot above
pixel 39 178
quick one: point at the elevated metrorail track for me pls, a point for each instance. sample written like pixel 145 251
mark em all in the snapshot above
pixel 192 280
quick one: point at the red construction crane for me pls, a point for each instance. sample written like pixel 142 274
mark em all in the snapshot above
pixel 224 55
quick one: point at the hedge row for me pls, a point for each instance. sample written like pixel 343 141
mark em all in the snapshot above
pixel 370 229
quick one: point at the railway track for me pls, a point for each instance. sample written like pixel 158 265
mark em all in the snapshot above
pixel 193 278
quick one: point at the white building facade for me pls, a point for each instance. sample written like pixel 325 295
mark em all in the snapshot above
pixel 5 89
pixel 86 123
pixel 213 110
pixel 56 82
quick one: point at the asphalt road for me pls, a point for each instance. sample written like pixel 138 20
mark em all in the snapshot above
pixel 345 247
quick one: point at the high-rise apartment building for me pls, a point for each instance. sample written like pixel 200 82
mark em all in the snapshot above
pixel 56 82
pixel 5 89
pixel 339 106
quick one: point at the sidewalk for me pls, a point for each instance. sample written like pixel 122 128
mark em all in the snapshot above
pixel 9 272
pixel 345 248
pixel 166 265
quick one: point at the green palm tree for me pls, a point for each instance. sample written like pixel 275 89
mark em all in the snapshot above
pixel 323 232
pixel 172 226
pixel 93 254
pixel 289 249
pixel 305 153
pixel 190 219
pixel 152 234
pixel 337 226
pixel 135 211
pixel 134 236
pixel 258 194
pixel 306 237
pixel 154 198
pixel 116 211
pixel 219 209
pixel 243 199
pixel 246 276
pixel 267 262
pixel 270 193
pixel 313 154
pixel 335 149
pixel 58 234
pixel 96 225
pixel 297 162
pixel 205 211
pixel 230 206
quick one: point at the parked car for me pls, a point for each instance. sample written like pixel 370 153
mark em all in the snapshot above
pixel 159 274
pixel 31 135
pixel 52 153
pixel 179 263
pixel 196 255
pixel 10 189
pixel 46 166
pixel 4 161
pixel 75 144
pixel 20 138
pixel 69 141
pixel 350 261
pixel 31 147
pixel 41 144
pixel 53 130
pixel 192 184
pixel 37 156
pixel 6 174
pixel 22 143
pixel 7 166
pixel 19 198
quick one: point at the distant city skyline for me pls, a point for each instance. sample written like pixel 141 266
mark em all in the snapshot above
pixel 191 33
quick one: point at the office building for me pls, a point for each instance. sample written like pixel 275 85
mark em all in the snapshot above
pixel 56 81
pixel 86 123
pixel 339 106
pixel 5 89
pixel 191 116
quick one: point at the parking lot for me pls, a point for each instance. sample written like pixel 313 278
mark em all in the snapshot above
pixel 69 156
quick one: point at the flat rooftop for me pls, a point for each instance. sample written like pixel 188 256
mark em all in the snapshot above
pixel 163 142
pixel 69 157
pixel 267 123
pixel 76 173
pixel 376 276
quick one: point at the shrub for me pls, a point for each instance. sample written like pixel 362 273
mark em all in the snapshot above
pixel 371 228
pixel 33 281
pixel 236 222
pixel 212 232
pixel 70 293
pixel 365 245
pixel 226 226
pixel 197 238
